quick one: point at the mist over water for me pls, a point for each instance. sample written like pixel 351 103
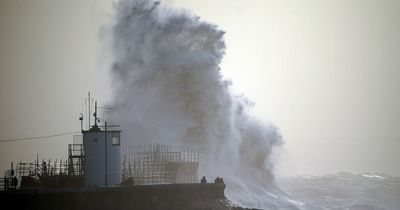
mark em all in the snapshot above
pixel 167 88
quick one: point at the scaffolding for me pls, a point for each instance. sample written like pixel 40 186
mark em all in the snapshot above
pixel 160 164
pixel 76 160
pixel 47 172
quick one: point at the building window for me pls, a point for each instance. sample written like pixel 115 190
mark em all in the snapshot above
pixel 115 139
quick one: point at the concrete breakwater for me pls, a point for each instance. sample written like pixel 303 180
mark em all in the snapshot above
pixel 143 197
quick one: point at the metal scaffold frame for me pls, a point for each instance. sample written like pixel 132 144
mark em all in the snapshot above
pixel 47 172
pixel 160 164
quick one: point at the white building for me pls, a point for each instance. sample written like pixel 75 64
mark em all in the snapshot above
pixel 102 157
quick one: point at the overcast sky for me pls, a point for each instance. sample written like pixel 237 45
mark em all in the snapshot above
pixel 327 73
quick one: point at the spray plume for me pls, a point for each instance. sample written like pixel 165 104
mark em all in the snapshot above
pixel 167 88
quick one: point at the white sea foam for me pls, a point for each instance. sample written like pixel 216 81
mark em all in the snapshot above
pixel 345 190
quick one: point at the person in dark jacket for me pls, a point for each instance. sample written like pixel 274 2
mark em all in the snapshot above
pixel 203 180
pixel 217 180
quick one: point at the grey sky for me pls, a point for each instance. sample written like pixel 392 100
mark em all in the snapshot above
pixel 327 73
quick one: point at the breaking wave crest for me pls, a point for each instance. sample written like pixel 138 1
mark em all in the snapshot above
pixel 167 88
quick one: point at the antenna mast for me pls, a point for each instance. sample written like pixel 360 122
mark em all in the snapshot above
pixel 95 114
pixel 81 119
pixel 89 111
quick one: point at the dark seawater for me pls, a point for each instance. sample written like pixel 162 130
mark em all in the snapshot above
pixel 344 190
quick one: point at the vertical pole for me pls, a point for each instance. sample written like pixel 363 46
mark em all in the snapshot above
pixel 12 175
pixel 95 114
pixel 105 155
pixel 81 119
pixel 37 164
pixel 89 112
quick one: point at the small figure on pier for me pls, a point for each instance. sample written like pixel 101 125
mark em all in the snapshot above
pixel 217 180
pixel 203 180
pixel 44 168
pixel 14 182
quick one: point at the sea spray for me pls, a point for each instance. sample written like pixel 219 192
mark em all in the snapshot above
pixel 167 88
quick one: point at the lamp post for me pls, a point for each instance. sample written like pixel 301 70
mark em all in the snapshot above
pixel 105 154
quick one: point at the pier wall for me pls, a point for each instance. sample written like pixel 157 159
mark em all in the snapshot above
pixel 168 196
